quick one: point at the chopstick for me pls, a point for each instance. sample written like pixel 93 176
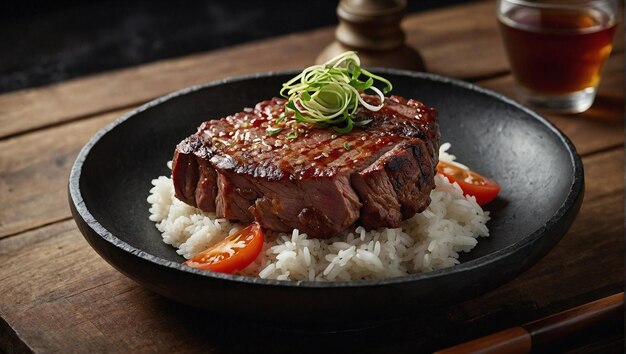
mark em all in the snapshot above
pixel 522 339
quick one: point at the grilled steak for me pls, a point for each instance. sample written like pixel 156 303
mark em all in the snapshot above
pixel 319 182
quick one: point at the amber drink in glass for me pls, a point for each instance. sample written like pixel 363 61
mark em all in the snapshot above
pixel 557 49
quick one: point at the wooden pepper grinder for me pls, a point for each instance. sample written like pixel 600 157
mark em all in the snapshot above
pixel 372 28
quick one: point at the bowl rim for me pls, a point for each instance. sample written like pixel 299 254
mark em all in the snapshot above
pixel 574 192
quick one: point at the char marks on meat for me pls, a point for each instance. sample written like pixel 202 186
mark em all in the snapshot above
pixel 320 182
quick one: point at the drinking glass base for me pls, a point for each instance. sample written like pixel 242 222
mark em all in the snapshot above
pixel 575 102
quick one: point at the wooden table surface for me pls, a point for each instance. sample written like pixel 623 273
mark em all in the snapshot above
pixel 58 295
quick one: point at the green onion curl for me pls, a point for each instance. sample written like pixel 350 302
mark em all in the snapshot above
pixel 330 94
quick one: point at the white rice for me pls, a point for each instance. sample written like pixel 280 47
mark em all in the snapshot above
pixel 430 240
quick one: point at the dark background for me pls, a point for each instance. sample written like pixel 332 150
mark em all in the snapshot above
pixel 46 42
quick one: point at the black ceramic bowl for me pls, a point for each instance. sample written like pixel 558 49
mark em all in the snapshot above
pixel 538 168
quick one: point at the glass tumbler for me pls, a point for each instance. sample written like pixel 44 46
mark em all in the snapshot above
pixel 557 49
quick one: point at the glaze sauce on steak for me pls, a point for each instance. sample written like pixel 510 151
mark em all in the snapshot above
pixel 319 182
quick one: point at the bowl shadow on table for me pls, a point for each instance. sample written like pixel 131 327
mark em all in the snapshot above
pixel 424 332
pixel 604 110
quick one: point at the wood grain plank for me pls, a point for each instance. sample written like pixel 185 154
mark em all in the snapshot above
pixel 28 109
pixel 438 38
pixel 77 295
pixel 34 170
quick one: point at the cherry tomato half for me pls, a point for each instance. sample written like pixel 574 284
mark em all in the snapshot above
pixel 233 253
pixel 484 189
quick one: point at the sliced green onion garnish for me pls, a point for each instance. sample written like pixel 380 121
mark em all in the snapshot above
pixel 273 130
pixel 329 94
